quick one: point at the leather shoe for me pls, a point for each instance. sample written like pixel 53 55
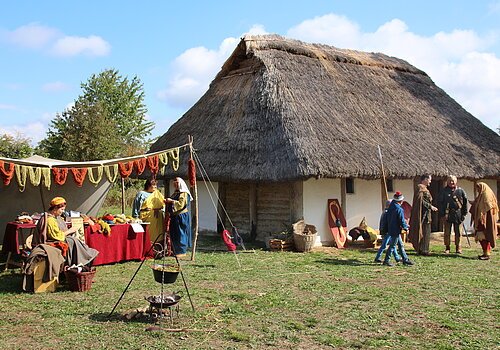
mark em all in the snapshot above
pixel 408 262
pixel 378 261
pixel 484 257
pixel 388 263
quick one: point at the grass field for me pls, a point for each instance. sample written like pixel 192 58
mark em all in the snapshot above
pixel 320 300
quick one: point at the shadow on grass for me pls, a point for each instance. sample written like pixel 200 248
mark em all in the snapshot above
pixel 350 262
pixel 11 282
pixel 142 318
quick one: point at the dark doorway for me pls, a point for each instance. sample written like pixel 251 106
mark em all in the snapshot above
pixel 437 184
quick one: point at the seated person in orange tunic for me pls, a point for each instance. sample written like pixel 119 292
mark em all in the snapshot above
pixel 76 252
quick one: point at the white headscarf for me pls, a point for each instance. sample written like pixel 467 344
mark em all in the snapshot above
pixel 184 188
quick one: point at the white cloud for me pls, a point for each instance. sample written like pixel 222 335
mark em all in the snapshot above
pixel 55 86
pixel 32 36
pixel 257 29
pixel 329 29
pixel 34 131
pixel 194 69
pixel 50 40
pixel 7 107
pixel 73 46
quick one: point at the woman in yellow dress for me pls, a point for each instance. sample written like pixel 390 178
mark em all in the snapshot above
pixel 148 206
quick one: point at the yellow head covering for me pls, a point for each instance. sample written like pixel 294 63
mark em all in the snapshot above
pixel 57 201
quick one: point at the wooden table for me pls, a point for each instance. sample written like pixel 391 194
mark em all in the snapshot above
pixel 123 244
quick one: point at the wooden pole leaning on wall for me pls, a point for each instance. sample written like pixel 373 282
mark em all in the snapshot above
pixel 385 195
pixel 194 203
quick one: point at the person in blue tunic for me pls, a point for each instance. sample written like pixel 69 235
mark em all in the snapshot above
pixel 395 222
pixel 180 220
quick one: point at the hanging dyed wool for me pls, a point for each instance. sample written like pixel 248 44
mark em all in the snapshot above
pixel 35 175
pixel 60 175
pixel 126 168
pixel 79 175
pixel 46 177
pixel 174 154
pixel 163 159
pixel 21 175
pixel 192 172
pixel 140 165
pixel 153 164
pixel 107 170
pixel 94 180
pixel 7 174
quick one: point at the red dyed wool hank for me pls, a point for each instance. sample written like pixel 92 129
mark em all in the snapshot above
pixel 79 175
pixel 126 168
pixel 153 164
pixel 7 174
pixel 192 172
pixel 60 175
pixel 140 165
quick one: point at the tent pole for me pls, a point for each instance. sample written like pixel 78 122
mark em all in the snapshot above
pixel 123 196
pixel 194 204
pixel 41 195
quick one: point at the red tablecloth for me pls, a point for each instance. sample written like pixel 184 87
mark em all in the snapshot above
pixel 11 237
pixel 122 245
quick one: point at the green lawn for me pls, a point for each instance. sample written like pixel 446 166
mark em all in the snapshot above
pixel 319 300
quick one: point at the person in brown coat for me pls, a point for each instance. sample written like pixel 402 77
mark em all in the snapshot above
pixel 484 212
pixel 420 220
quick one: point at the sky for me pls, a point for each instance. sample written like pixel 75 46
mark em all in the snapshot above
pixel 176 48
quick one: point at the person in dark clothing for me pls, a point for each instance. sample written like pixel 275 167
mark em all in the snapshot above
pixel 452 204
pixel 420 220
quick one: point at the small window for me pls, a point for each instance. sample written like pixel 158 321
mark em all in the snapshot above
pixel 390 185
pixel 349 185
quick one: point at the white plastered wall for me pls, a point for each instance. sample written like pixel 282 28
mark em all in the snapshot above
pixel 364 202
pixel 315 196
pixel 207 211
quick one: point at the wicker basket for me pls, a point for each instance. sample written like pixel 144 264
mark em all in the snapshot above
pixel 304 243
pixel 80 281
pixel 304 236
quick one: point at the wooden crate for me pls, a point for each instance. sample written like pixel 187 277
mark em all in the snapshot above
pixel 279 245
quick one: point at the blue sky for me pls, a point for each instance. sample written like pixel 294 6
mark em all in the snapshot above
pixel 48 48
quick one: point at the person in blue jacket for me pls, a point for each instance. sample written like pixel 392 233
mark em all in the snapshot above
pixel 395 222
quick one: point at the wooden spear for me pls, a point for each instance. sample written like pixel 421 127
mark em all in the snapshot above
pixel 385 195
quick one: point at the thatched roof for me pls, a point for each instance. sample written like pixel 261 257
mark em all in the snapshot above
pixel 281 109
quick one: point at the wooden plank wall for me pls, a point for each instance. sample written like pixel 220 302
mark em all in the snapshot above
pixel 237 206
pixel 273 207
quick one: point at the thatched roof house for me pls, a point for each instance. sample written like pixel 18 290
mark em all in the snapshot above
pixel 284 110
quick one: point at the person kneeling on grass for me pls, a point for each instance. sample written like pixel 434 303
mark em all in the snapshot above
pixel 394 221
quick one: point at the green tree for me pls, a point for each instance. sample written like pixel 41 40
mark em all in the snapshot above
pixel 15 147
pixel 108 120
